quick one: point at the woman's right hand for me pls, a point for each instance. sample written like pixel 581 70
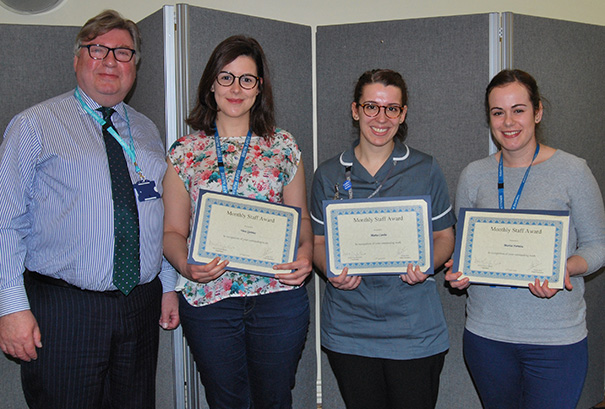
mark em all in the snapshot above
pixel 344 281
pixel 205 273
pixel 452 277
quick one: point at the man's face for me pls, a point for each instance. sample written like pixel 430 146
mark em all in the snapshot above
pixel 106 81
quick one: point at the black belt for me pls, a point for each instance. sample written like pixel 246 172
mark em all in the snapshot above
pixel 57 282
pixel 41 278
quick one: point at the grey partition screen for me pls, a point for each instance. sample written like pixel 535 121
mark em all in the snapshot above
pixel 36 63
pixel 445 62
pixel 567 60
pixel 288 50
pixel 148 94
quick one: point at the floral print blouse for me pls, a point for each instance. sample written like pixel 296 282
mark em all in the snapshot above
pixel 270 164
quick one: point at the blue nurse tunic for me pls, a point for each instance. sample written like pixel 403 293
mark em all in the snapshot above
pixel 384 317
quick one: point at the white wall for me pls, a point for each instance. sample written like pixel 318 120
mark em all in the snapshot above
pixel 323 12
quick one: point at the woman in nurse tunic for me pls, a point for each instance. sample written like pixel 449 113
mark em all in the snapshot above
pixel 385 335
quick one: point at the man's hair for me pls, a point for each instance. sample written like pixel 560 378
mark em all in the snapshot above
pixel 103 23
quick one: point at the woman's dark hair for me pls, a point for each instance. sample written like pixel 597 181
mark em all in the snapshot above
pixel 506 77
pixel 385 77
pixel 262 118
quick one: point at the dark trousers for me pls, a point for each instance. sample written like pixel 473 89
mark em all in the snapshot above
pixel 99 348
pixel 523 376
pixel 247 349
pixel 376 383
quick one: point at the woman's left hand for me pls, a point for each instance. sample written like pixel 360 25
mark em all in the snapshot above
pixel 302 268
pixel 414 275
pixel 543 291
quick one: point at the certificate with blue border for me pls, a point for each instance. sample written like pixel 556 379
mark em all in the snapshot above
pixel 512 247
pixel 378 236
pixel 253 235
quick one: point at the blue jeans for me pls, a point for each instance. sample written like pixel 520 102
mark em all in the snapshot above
pixel 522 376
pixel 247 348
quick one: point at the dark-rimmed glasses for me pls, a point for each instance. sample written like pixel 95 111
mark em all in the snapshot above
pixel 100 52
pixel 246 81
pixel 391 111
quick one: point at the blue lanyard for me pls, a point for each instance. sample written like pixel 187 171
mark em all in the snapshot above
pixel 128 148
pixel 501 181
pixel 221 165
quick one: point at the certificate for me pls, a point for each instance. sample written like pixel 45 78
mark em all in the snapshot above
pixel 512 247
pixel 378 236
pixel 253 235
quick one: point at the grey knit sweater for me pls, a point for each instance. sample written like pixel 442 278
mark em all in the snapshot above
pixel 563 182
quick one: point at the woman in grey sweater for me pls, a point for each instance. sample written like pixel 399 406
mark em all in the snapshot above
pixel 526 347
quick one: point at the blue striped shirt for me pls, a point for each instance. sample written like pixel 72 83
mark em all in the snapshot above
pixel 56 208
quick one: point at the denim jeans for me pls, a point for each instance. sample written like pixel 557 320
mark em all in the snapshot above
pixel 522 376
pixel 247 348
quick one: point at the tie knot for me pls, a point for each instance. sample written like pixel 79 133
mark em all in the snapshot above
pixel 107 112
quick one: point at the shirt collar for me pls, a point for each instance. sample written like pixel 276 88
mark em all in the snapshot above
pixel 119 108
pixel 400 153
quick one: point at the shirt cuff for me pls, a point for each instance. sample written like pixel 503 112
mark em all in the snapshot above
pixel 12 300
pixel 168 276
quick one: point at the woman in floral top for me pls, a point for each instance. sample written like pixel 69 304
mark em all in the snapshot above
pixel 246 331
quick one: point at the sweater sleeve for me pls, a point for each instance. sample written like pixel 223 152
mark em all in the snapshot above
pixel 588 215
pixel 464 197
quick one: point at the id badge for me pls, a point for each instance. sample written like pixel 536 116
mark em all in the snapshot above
pixel 146 190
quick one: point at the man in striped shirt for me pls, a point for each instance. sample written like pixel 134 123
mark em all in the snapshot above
pixel 84 339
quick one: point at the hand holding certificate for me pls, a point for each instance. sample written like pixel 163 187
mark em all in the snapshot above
pixel 253 235
pixel 512 247
pixel 378 236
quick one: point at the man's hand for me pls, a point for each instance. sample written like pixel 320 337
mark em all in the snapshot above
pixel 170 318
pixel 20 335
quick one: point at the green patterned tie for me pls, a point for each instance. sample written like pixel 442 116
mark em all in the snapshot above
pixel 126 264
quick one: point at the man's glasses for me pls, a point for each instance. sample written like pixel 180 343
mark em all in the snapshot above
pixel 246 81
pixel 100 52
pixel 391 111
